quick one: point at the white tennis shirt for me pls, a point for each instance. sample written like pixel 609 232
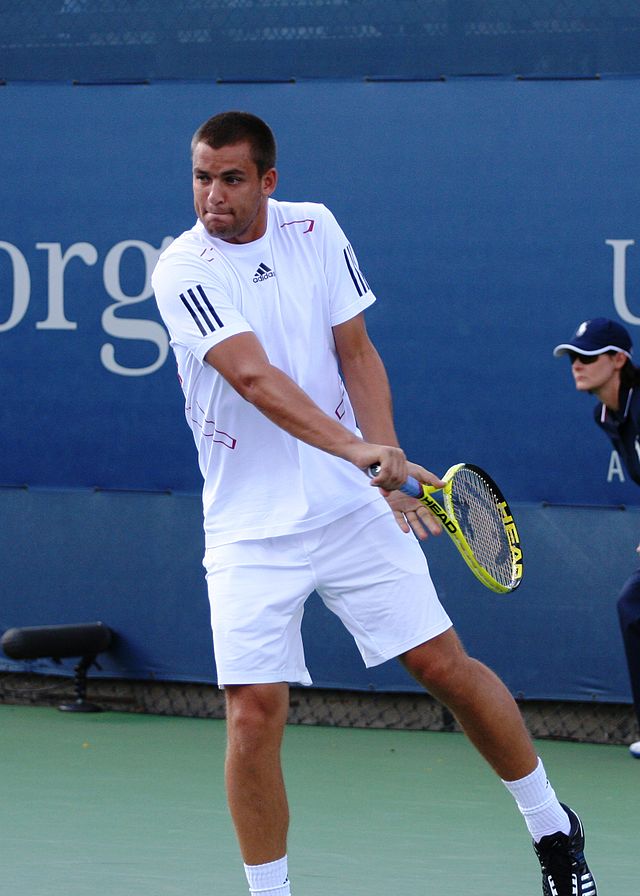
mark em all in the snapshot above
pixel 290 287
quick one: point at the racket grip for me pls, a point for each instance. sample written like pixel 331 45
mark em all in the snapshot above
pixel 411 487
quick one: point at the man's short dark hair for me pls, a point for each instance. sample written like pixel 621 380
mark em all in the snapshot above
pixel 228 128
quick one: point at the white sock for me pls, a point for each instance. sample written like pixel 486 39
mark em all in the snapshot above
pixel 271 879
pixel 539 804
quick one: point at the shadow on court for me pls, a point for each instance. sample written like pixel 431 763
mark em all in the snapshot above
pixel 116 804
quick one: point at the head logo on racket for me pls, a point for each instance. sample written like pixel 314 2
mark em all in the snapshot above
pixel 479 520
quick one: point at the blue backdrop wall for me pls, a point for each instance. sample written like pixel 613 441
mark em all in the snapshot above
pixel 88 41
pixel 490 215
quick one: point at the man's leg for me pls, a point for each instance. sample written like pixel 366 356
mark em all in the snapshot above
pixel 256 716
pixel 491 719
pixel 478 699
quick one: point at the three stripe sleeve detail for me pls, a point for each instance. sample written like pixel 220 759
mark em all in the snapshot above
pixel 201 310
pixel 359 281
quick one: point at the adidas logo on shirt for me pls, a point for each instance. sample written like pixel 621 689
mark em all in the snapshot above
pixel 263 273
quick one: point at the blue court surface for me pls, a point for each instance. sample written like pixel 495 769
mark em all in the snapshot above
pixel 116 804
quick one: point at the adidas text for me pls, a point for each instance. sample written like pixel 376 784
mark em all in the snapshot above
pixel 263 273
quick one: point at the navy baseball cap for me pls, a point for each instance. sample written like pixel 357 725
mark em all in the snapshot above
pixel 596 336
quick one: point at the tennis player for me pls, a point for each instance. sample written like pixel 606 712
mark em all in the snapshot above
pixel 264 301
pixel 600 354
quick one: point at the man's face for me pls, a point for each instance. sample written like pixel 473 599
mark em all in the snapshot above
pixel 229 196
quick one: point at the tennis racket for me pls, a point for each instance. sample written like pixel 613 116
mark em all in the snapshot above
pixel 478 519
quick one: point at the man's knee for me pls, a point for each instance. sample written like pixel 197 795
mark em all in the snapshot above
pixel 256 713
pixel 436 663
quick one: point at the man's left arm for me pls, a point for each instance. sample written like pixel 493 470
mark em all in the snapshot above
pixel 368 388
pixel 366 380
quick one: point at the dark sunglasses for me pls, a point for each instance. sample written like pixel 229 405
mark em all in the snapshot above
pixel 586 359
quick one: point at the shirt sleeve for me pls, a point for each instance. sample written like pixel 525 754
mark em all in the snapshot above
pixel 349 292
pixel 195 305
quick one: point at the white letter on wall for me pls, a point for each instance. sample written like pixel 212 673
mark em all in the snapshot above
pixel 615 468
pixel 57 263
pixel 619 279
pixel 21 286
pixel 124 327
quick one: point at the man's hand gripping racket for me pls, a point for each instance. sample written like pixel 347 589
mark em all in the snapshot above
pixel 478 519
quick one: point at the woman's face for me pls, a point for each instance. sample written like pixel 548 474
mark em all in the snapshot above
pixel 592 373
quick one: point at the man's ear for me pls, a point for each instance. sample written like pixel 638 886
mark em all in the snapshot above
pixel 269 181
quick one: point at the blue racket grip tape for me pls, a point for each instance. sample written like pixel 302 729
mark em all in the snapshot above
pixel 411 487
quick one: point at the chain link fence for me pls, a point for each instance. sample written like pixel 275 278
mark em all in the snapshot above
pixel 602 723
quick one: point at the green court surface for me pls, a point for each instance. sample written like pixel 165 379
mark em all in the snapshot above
pixel 116 804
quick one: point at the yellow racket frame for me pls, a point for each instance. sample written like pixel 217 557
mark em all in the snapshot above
pixel 447 519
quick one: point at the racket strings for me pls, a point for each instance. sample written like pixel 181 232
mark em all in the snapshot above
pixel 478 514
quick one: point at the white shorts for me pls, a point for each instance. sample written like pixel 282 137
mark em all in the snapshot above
pixel 372 575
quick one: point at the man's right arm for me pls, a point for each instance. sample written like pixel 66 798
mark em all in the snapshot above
pixel 242 361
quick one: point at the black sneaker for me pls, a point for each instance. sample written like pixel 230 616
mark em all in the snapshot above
pixel 564 869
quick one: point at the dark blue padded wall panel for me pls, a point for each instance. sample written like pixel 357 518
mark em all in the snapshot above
pixel 132 561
